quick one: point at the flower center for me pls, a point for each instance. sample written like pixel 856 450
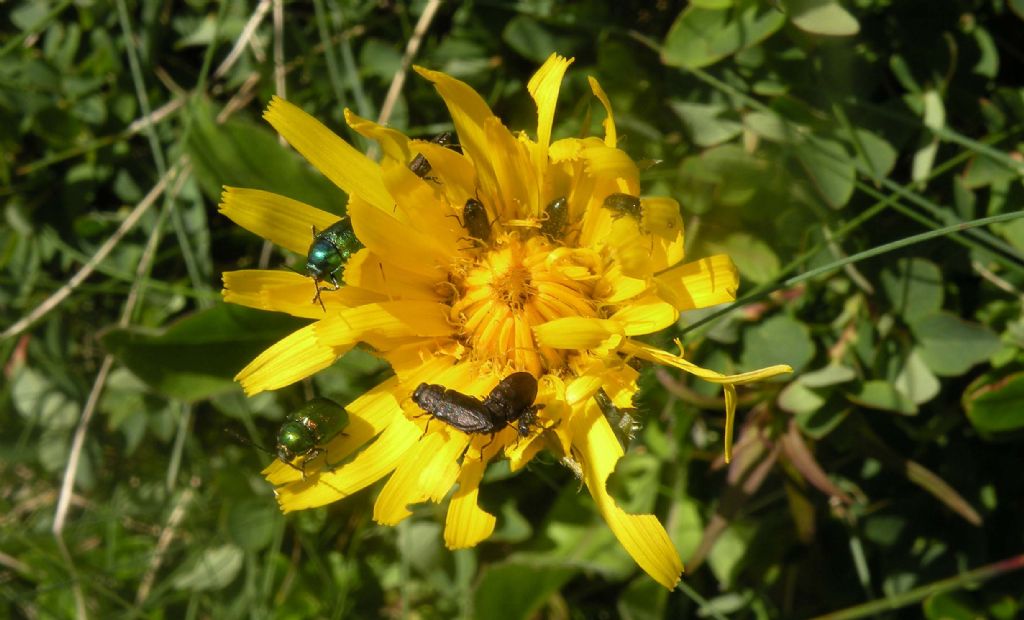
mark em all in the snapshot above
pixel 516 285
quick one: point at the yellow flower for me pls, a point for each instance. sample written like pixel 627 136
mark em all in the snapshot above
pixel 562 304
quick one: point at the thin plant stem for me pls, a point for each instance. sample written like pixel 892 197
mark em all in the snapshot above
pixel 896 601
pixel 244 38
pixel 854 258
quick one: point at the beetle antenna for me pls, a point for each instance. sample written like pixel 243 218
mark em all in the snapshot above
pixel 245 441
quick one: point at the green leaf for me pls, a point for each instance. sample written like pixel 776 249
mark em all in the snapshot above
pixel 239 153
pixel 1014 233
pixel 950 345
pixel 251 522
pixel 755 259
pixel 934 116
pixel 214 569
pixel 643 599
pixel 724 175
pixel 517 590
pixel 530 38
pixel 957 605
pixel 823 420
pixel 798 398
pixel 770 126
pixel 686 525
pixel 983 171
pixel 1017 6
pixel 914 287
pixel 778 340
pixel 824 17
pixel 704 123
pixel 996 406
pixel 830 169
pixel 882 395
pixel 712 4
pixel 874 153
pixel 916 381
pixel 830 375
pixel 40 401
pixel 726 557
pixel 379 59
pixel 988 60
pixel 700 37
pixel 199 356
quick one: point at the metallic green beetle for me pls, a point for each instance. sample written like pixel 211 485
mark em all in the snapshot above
pixel 308 428
pixel 330 250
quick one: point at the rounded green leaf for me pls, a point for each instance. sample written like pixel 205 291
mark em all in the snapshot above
pixel 882 395
pixel 874 152
pixel 951 606
pixel 950 345
pixel 914 287
pixel 798 398
pixel 916 381
pixel 39 401
pixel 998 406
pixel 830 169
pixel 251 523
pixel 755 259
pixel 700 37
pixel 704 122
pixel 824 17
pixel 214 569
pixel 833 374
pixel 778 340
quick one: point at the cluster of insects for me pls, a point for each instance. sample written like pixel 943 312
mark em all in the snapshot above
pixel 509 404
pixel 306 430
pixel 332 247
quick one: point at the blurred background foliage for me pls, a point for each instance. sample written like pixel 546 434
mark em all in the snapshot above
pixel 883 478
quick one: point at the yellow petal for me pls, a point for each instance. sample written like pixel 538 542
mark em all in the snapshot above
pixel 469 113
pixel 466 523
pixel 422 207
pixel 386 236
pixel 642 536
pixel 346 167
pixel 632 249
pixel 579 333
pixel 660 216
pixel 544 87
pixel 369 466
pixel 730 419
pixel 295 357
pixel 366 270
pixel 390 319
pixel 616 288
pixel 566 149
pixel 515 193
pixel 583 387
pixel 653 354
pixel 428 471
pixel 609 121
pixel 278 291
pixel 454 170
pixel 283 221
pixel 702 283
pixel 645 316
pixel 393 143
pixel 611 163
